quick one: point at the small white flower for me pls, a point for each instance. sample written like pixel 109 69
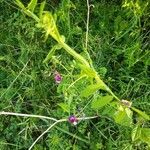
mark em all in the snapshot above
pixel 75 123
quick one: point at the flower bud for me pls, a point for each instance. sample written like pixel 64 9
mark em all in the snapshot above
pixel 73 120
pixel 57 77
pixel 126 103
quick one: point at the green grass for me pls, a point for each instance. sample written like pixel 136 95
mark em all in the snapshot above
pixel 119 47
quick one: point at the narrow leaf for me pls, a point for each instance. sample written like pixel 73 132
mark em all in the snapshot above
pixel 27 12
pixel 20 4
pixel 31 6
pixel 65 107
pixel 145 135
pixel 51 53
pixel 41 9
pixel 143 114
pixel 136 133
pixel 91 89
pixel 102 101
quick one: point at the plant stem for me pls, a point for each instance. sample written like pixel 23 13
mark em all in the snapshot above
pixel 58 121
pixel 75 82
pixel 87 25
pixel 87 118
pixel 29 13
pixel 27 115
pixel 87 34
pixel 73 53
pixel 98 79
pixel 62 120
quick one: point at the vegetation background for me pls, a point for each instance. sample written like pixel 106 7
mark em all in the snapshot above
pixel 119 37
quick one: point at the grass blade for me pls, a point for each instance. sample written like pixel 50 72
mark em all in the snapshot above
pixel 143 114
pixel 41 9
pixel 32 5
pixel 20 4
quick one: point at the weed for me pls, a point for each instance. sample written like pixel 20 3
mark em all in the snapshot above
pixel 114 35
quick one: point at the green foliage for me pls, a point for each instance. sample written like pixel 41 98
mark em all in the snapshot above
pixel 41 9
pixel 101 101
pixel 142 134
pixel 145 135
pixel 20 4
pixel 51 53
pixel 118 44
pixel 65 107
pixel 31 6
pixel 136 132
pixel 144 115
pixel 87 70
pixel 91 89
pixel 123 116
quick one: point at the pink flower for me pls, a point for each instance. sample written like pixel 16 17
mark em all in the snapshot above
pixel 73 120
pixel 57 77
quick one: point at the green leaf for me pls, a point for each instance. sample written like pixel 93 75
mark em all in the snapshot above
pixel 87 70
pixel 102 101
pixel 27 12
pixel 91 89
pixel 49 25
pixel 51 53
pixel 41 9
pixel 144 115
pixel 31 6
pixel 136 133
pixel 145 135
pixel 65 107
pixel 123 116
pixel 20 4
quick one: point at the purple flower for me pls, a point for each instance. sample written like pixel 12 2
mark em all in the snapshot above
pixel 72 119
pixel 57 77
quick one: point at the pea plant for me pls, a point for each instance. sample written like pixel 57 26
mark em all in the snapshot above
pixel 85 83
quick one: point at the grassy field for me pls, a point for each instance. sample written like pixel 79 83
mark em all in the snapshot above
pixel 116 38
